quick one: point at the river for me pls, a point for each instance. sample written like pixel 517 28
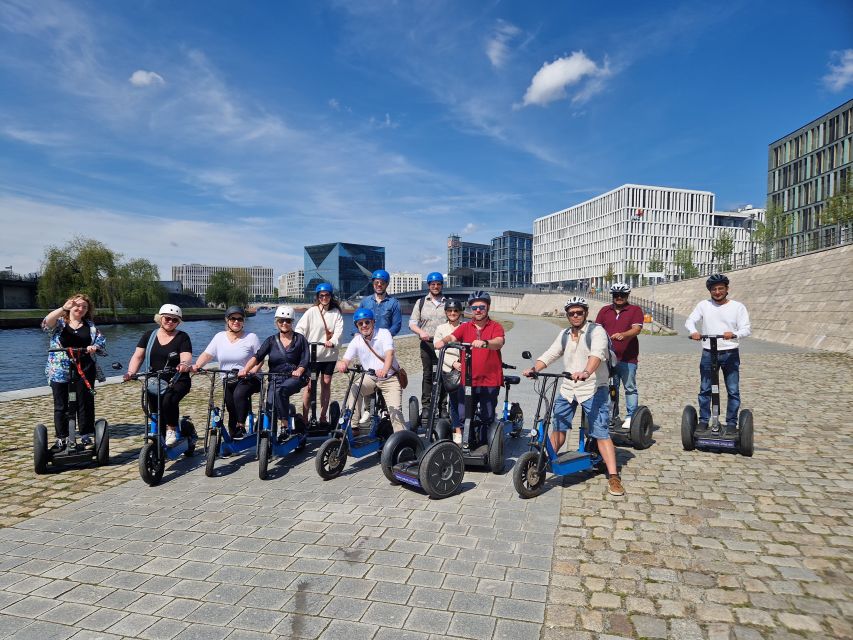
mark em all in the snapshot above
pixel 23 352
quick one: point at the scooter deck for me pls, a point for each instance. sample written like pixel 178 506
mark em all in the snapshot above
pixel 723 439
pixel 79 456
pixel 477 457
pixel 283 448
pixel 364 446
pixel 408 473
pixel 570 462
pixel 238 445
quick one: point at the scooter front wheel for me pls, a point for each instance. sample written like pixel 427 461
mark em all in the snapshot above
pixel 642 425
pixel 151 464
pixel 441 470
pixel 688 427
pixel 263 454
pixel 213 440
pixel 40 452
pixel 526 477
pixel 745 441
pixel 102 442
pixel 331 458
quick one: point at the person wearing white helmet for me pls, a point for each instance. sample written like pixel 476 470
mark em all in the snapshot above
pixel 288 355
pixel 623 323
pixel 152 352
pixel 588 385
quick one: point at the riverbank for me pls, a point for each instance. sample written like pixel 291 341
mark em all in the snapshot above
pixel 31 318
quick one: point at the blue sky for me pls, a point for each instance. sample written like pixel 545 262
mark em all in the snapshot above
pixel 237 132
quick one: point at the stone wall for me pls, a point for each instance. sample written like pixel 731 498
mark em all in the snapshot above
pixel 804 301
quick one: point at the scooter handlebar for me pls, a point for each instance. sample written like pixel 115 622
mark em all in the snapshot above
pixel 78 350
pixel 540 374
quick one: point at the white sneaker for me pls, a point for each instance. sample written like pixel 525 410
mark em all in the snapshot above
pixel 627 423
pixel 457 438
pixel 365 418
pixel 171 438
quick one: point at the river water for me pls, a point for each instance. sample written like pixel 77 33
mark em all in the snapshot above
pixel 23 352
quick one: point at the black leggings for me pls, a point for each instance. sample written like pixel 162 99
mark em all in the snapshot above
pixel 85 406
pixel 170 402
pixel 238 399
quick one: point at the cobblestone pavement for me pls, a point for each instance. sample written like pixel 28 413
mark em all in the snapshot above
pixel 703 545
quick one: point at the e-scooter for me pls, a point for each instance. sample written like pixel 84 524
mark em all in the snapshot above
pixel 716 436
pixel 317 428
pixel 332 455
pixel 531 469
pixel 217 440
pixel 73 453
pixel 270 441
pixel 512 417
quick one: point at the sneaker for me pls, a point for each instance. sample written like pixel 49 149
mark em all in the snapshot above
pixel 457 438
pixel 627 423
pixel 702 426
pixel 86 441
pixel 171 438
pixel 365 418
pixel 614 486
pixel 59 444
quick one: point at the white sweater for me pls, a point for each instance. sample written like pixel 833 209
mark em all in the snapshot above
pixel 716 319
pixel 311 326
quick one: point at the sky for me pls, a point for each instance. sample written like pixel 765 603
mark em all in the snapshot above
pixel 236 133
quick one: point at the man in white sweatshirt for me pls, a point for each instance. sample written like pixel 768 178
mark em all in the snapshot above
pixel 728 318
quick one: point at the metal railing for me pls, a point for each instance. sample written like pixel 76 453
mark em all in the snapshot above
pixel 660 313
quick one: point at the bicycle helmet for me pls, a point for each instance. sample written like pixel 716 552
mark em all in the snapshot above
pixel 363 314
pixel 717 278
pixel 172 310
pixel 620 287
pixel 324 286
pixel 284 312
pixel 480 295
pixel 453 305
pixel 235 309
pixel 435 276
pixel 381 274
pixel 576 301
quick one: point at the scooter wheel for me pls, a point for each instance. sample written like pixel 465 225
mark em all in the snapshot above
pixel 402 446
pixel 688 427
pixel 642 425
pixel 301 429
pixel 443 430
pixel 334 414
pixel 516 417
pixel 414 414
pixel 496 449
pixel 263 454
pixel 102 442
pixel 441 470
pixel 188 431
pixel 151 464
pixel 41 456
pixel 212 451
pixel 331 458
pixel 526 478
pixel 745 444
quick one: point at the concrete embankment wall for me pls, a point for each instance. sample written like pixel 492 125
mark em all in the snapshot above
pixel 804 301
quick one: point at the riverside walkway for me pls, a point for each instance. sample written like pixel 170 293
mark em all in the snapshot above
pixel 702 545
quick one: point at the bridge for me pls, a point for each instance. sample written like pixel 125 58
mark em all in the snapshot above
pixel 459 293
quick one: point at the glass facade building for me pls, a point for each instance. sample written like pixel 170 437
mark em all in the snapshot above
pixel 468 263
pixel 511 260
pixel 347 267
pixel 804 170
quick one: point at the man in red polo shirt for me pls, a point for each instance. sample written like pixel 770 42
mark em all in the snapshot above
pixel 623 323
pixel 486 337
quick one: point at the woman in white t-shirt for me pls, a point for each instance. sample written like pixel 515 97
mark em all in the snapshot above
pixel 453 312
pixel 322 323
pixel 232 349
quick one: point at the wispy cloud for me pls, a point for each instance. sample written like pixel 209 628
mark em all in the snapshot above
pixel 497 47
pixel 142 78
pixel 840 73
pixel 550 82
pixel 470 228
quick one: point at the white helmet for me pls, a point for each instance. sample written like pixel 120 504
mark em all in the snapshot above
pixel 172 310
pixel 620 287
pixel 284 312
pixel 576 301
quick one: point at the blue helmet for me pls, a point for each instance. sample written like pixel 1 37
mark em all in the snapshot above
pixel 323 286
pixel 435 276
pixel 363 314
pixel 381 274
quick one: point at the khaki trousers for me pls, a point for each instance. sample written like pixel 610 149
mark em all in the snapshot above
pixel 390 388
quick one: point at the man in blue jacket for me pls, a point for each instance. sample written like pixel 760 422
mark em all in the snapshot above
pixel 385 308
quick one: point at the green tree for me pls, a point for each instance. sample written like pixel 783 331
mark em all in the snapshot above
pixel 83 265
pixel 722 250
pixel 223 288
pixel 244 281
pixel 138 285
pixel 655 263
pixel 684 261
pixel 839 207
pixel 770 229
pixel 608 275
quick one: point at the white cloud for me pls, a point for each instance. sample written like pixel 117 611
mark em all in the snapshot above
pixel 470 228
pixel 386 123
pixel 433 259
pixel 34 137
pixel 142 78
pixel 334 104
pixel 497 48
pixel 840 71
pixel 550 82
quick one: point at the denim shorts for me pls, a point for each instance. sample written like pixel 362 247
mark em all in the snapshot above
pixel 597 410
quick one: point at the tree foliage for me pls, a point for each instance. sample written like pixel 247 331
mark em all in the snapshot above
pixel 722 250
pixel 138 285
pixel 684 261
pixel 608 275
pixel 839 207
pixel 770 229
pixel 656 263
pixel 224 288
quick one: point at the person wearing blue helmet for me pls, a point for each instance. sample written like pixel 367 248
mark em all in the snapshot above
pixel 427 316
pixel 374 349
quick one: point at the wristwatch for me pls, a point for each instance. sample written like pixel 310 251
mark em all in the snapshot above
pixel 485 344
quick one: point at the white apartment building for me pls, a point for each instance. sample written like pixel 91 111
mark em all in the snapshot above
pixel 196 277
pixel 624 229
pixel 292 284
pixel 401 282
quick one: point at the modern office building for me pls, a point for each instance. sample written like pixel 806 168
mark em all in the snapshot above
pixel 196 277
pixel 511 260
pixel 401 282
pixel 804 169
pixel 624 230
pixel 292 285
pixel 346 266
pixel 468 263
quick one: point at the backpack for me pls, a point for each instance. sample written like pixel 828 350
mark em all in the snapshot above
pixel 611 360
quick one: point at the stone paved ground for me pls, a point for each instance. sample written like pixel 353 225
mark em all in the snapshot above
pixel 703 545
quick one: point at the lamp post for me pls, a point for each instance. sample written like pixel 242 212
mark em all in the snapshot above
pixel 751 230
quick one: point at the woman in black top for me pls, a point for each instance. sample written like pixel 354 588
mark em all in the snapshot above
pixel 288 355
pixel 155 347
pixel 71 325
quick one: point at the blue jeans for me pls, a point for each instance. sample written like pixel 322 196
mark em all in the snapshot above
pixel 484 400
pixel 627 374
pixel 730 366
pixel 597 409
pixel 455 399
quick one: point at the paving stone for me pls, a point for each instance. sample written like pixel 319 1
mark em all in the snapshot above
pixel 386 615
pixel 40 630
pixel 428 621
pixel 467 625
pixel 350 630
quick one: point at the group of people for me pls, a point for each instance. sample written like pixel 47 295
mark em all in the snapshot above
pixel 435 319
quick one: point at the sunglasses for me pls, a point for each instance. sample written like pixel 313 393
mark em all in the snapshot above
pixel 478 307
pixel 364 323
pixel 324 295
pixel 283 320
pixel 620 295
pixel 236 320
pixel 575 314
pixel 169 319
